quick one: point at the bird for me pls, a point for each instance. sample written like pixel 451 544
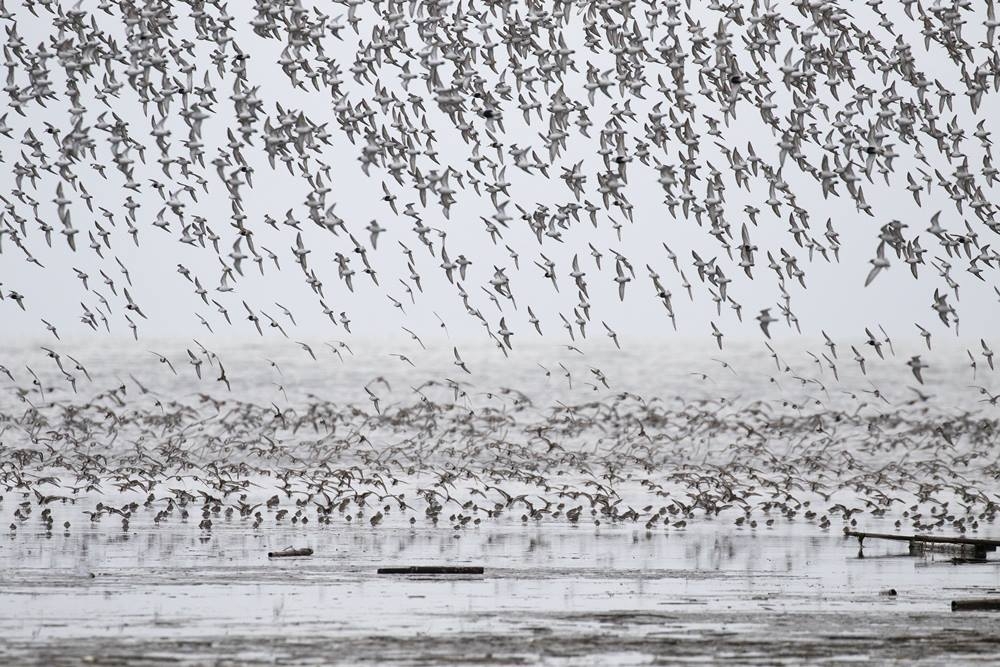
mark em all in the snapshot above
pixel 879 263
pixel 875 343
pixel 196 362
pixel 374 399
pixel 622 280
pixel 459 362
pixel 611 334
pixel 717 334
pixel 925 334
pixel 51 329
pixel 765 319
pixel 916 365
pixel 163 360
pixel 859 359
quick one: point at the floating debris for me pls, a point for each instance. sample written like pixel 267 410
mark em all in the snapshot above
pixel 290 553
pixel 976 604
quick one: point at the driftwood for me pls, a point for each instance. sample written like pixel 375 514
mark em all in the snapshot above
pixel 976 604
pixel 288 553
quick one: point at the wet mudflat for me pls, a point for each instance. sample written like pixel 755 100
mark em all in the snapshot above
pixel 558 595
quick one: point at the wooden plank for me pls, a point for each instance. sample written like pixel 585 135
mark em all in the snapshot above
pixel 432 569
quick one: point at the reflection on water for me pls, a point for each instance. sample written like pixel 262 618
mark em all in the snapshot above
pixel 615 594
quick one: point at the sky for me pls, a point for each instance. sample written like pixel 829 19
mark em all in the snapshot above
pixel 835 299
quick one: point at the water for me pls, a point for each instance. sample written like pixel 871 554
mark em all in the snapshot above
pixel 689 519
pixel 557 595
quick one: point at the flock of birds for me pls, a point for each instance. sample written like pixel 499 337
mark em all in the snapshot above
pixel 624 460
pixel 515 149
